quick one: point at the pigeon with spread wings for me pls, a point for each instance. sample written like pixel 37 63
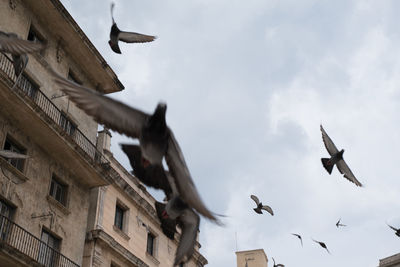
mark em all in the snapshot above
pixel 117 35
pixel 322 244
pixel 299 237
pixel 260 206
pixel 155 138
pixel 339 224
pixel 277 265
pixel 336 158
pixel 397 231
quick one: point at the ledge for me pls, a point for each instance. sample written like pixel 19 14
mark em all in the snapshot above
pixel 121 233
pixel 58 205
pixel 148 255
pixel 15 172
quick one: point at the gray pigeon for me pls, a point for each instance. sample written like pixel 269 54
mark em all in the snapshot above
pixel 260 206
pixel 336 158
pixel 128 37
pixel 322 244
pixel 18 48
pixel 12 155
pixel 277 265
pixel 397 231
pixel 299 237
pixel 155 137
pixel 339 224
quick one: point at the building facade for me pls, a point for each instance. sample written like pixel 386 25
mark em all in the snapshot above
pixel 392 261
pixel 251 258
pixel 70 203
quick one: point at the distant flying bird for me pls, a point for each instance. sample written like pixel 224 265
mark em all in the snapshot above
pixel 155 138
pixel 260 206
pixel 322 244
pixel 336 158
pixel 128 37
pixel 18 48
pixel 339 224
pixel 12 155
pixel 397 230
pixel 277 265
pixel 299 237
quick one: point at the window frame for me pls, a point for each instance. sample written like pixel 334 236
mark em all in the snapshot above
pixel 55 184
pixel 15 146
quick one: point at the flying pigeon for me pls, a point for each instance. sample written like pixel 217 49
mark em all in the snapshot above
pixel 277 265
pixel 397 231
pixel 155 138
pixel 260 206
pixel 128 37
pixel 168 225
pixel 322 244
pixel 12 155
pixel 299 236
pixel 339 224
pixel 336 158
pixel 18 48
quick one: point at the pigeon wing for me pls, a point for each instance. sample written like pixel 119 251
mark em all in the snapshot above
pixel 153 175
pixel 253 197
pixel 268 208
pixel 189 222
pixel 345 170
pixel 133 37
pixel 393 228
pixel 10 43
pixel 183 180
pixel 112 113
pixel 330 146
pixel 12 155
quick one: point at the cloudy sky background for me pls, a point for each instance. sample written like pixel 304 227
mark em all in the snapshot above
pixel 247 85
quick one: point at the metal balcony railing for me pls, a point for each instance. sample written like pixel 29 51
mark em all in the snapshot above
pixel 39 99
pixel 13 235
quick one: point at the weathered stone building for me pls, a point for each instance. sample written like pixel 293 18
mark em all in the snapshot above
pixel 70 203
pixel 392 261
pixel 251 258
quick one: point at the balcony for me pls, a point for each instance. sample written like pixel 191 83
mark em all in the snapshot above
pixel 49 127
pixel 18 247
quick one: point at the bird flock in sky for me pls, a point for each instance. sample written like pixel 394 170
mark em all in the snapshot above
pixel 182 204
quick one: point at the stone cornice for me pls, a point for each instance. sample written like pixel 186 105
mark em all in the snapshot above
pixel 112 243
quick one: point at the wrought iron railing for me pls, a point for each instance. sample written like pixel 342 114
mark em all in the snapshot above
pixel 39 99
pixel 13 235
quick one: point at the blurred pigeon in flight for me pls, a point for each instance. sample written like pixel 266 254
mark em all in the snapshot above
pixel 12 155
pixel 339 224
pixel 155 138
pixel 18 48
pixel 127 37
pixel 336 158
pixel 299 237
pixel 260 206
pixel 322 244
pixel 277 265
pixel 397 231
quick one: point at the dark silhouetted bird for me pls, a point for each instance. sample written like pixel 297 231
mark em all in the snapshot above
pixel 277 265
pixel 128 37
pixel 155 138
pixel 12 155
pixel 18 48
pixel 396 230
pixel 299 237
pixel 322 244
pixel 336 158
pixel 168 225
pixel 339 224
pixel 260 206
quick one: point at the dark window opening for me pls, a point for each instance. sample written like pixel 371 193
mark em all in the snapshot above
pixel 67 125
pixel 72 77
pixel 34 36
pixel 119 217
pixel 150 243
pixel 48 250
pixel 13 146
pixel 58 191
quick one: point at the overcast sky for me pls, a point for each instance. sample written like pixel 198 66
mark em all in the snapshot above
pixel 247 85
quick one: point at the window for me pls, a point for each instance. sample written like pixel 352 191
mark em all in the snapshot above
pixel 119 217
pixel 34 36
pixel 58 190
pixel 66 124
pixel 13 146
pixel 150 243
pixel 49 246
pixel 72 77
pixel 6 211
